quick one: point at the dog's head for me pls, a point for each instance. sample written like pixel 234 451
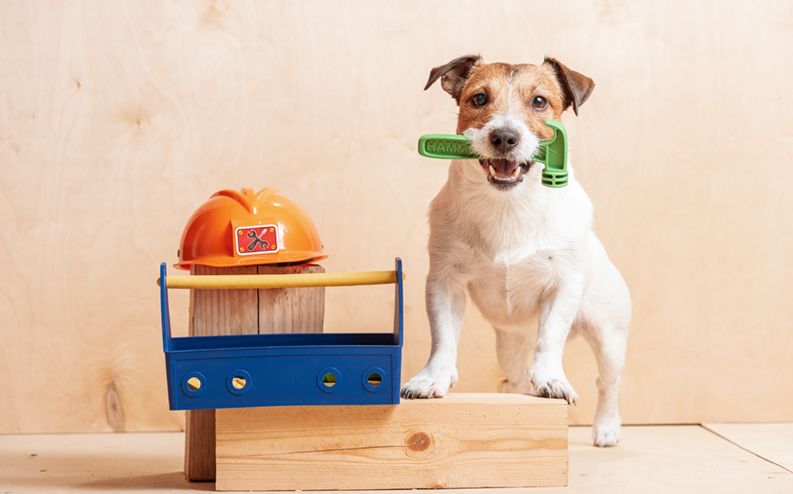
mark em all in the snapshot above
pixel 503 109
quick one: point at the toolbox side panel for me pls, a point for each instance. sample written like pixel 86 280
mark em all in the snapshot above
pixel 278 376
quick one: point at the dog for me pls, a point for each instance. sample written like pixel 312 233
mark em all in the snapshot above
pixel 523 251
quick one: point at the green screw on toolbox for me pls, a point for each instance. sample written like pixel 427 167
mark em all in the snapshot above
pixel 551 152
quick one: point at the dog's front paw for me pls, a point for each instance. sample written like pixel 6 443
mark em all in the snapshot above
pixel 430 383
pixel 553 387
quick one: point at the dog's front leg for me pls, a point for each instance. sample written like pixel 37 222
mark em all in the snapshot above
pixel 445 308
pixel 556 317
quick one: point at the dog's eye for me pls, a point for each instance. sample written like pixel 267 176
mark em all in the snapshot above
pixel 539 103
pixel 479 99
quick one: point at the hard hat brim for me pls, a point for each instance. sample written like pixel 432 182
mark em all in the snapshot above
pixel 290 257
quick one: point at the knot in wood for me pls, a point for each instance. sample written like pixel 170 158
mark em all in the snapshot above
pixel 418 441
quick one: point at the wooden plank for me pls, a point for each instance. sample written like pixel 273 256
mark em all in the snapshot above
pixel 464 440
pixel 291 310
pixel 214 312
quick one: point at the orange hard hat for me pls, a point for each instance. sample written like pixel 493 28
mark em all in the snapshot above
pixel 243 228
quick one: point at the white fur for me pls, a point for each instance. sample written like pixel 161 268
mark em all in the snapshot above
pixel 480 139
pixel 521 253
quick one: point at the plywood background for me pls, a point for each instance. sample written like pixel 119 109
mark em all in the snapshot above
pixel 118 118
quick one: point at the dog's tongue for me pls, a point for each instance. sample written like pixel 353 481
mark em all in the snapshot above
pixel 503 168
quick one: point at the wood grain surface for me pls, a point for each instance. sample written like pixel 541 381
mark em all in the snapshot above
pixel 291 310
pixel 466 440
pixel 118 118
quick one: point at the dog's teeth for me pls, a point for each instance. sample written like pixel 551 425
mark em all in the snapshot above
pixel 492 170
pixel 515 172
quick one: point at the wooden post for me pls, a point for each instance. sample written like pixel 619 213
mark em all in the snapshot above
pixel 291 310
pixel 461 441
pixel 221 312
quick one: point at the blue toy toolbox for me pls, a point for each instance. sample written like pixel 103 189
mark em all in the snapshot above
pixel 206 372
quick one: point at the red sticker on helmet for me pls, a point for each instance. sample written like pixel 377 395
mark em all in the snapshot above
pixel 259 239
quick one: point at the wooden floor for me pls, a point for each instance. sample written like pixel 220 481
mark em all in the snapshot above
pixel 723 458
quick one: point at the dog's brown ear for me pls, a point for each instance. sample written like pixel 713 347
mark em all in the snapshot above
pixel 576 86
pixel 454 74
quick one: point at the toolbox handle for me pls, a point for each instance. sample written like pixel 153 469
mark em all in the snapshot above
pixel 399 303
pixel 165 312
pixel 253 281
pixel 248 281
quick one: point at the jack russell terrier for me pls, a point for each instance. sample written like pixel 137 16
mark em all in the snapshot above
pixel 521 249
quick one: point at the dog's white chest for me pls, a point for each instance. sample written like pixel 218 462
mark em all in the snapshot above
pixel 509 293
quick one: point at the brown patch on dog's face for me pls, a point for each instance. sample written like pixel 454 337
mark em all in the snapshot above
pixel 511 89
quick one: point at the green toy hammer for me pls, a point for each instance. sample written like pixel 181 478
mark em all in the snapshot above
pixel 551 152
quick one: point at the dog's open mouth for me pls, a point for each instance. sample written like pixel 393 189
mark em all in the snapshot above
pixel 504 174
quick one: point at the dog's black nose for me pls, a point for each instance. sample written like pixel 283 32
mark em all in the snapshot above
pixel 504 139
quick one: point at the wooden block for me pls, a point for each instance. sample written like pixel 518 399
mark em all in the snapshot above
pixel 222 312
pixel 291 310
pixel 199 445
pixel 463 440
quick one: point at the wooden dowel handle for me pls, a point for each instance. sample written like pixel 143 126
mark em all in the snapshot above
pixel 242 281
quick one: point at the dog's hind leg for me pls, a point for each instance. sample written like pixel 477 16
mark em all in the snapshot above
pixel 513 346
pixel 609 344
